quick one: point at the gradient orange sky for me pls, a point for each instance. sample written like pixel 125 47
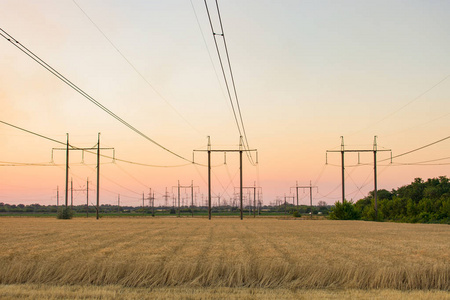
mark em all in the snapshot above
pixel 306 73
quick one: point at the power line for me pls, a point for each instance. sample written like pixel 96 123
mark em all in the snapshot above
pixel 223 69
pixel 231 75
pixel 417 149
pixel 21 164
pixel 354 182
pixel 421 125
pixel 320 174
pixel 34 133
pixel 403 154
pixel 405 105
pixel 206 46
pixel 138 181
pixel 424 163
pixel 225 189
pixel 134 68
pixel 102 155
pixel 240 125
pixel 37 59
pixel 118 184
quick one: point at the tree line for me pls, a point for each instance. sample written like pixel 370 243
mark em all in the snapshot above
pixel 419 202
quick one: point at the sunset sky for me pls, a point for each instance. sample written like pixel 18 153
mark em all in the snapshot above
pixel 306 73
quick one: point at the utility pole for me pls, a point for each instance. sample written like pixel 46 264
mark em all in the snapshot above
pixel 178 193
pixel 209 177
pixel 375 175
pixel 143 204
pixel 343 168
pixel 192 197
pixel 179 212
pixel 97 148
pixel 71 193
pixel 218 202
pixel 254 200
pixel 255 189
pixel 153 204
pixel 310 187
pixel 249 204
pixel 57 195
pixel 374 150
pixel 151 201
pixel 98 175
pixel 285 202
pixel 166 196
pixel 67 170
pixel 240 178
pixel 87 198
pixel 240 150
pixel 118 203
pixel 191 187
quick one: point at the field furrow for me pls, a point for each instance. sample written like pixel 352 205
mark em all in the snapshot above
pixel 224 252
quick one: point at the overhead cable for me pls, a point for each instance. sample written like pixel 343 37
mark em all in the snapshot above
pixel 239 122
pixel 135 69
pixel 37 59
pixel 102 155
pixel 405 105
pixel 206 46
pixel 417 149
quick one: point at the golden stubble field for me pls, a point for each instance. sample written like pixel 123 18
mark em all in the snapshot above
pixel 225 256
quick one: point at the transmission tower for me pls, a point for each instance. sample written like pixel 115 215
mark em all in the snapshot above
pixel 374 150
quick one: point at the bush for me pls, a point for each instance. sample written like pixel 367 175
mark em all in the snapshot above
pixel 344 211
pixel 64 213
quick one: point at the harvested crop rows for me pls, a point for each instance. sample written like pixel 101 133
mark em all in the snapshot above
pixel 224 253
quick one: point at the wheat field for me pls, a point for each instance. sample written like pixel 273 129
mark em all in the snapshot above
pixel 261 256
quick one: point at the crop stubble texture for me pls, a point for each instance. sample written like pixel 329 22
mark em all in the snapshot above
pixel 261 253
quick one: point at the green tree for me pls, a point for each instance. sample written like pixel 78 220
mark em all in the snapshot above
pixel 344 211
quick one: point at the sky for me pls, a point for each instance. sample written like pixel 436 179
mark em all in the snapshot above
pixel 306 73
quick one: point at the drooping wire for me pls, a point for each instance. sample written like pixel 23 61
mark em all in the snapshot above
pixel 239 121
pixel 402 154
pixel 37 59
pixel 420 125
pixel 134 68
pixel 207 49
pixel 402 107
pixel 229 175
pixel 27 164
pixel 225 189
pixel 339 185
pixel 33 133
pixel 131 176
pixel 102 155
pixel 354 182
pixel 223 69
pixel 320 174
pixel 417 149
pixel 118 184
pixel 232 78
pixel 23 164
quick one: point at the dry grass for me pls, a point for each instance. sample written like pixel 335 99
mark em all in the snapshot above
pixel 224 254
pixel 30 291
